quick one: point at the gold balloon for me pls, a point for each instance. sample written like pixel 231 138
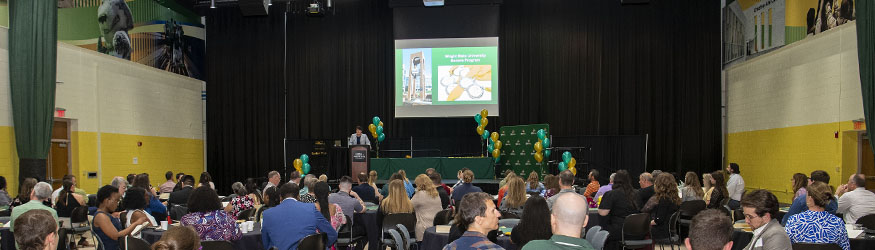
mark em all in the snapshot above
pixel 539 157
pixel 494 136
pixel 484 113
pixel 572 163
pixel 496 153
pixel 497 144
pixel 480 130
pixel 538 147
pixel 484 121
pixel 381 123
pixel 374 134
pixel 372 128
pixel 573 170
pixel 298 163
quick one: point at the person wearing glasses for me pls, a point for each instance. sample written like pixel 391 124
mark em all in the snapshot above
pixel 759 206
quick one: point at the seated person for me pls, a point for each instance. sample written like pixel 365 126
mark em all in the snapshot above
pixel 178 238
pixel 135 203
pixel 478 215
pixel 800 203
pixel 68 200
pixel 206 215
pixel 854 200
pixel 442 191
pixel 464 188
pixel 244 200
pixel 534 224
pixel 36 229
pixel 426 204
pixel 816 225
pixel 365 191
pixel 107 227
pixel 533 184
pixel 567 220
pixel 662 205
pixel 758 207
pixel 711 229
pixel 286 224
pixel 515 197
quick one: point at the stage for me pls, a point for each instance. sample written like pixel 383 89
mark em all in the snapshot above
pixel 483 168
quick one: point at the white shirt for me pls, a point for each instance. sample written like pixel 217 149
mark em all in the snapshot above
pixel 735 185
pixel 857 203
pixel 55 195
pixel 756 234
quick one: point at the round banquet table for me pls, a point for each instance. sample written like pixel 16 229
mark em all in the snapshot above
pixel 250 240
pixel 431 240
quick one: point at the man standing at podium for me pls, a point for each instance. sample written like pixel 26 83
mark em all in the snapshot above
pixel 358 138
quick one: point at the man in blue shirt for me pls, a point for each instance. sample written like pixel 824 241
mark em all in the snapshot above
pixel 799 205
pixel 286 224
pixel 465 188
pixel 479 215
pixel 365 191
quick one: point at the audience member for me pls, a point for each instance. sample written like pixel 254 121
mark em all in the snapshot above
pixel 407 185
pixel 534 223
pixel 252 190
pixel 273 179
pixel 662 205
pixel 854 200
pixel 81 193
pixel 323 178
pixel 567 219
pixel 593 185
pixel 759 207
pixel 178 238
pixel 551 186
pixel 130 178
pixel 428 171
pixel 167 186
pixel 533 184
pixel 106 226
pixel 5 199
pixel 706 185
pixel 503 190
pixel 350 203
pixel 286 224
pixel 135 202
pixel 800 204
pixel 617 204
pixel 720 195
pixel 655 173
pixel 503 181
pixel 442 189
pixel 271 199
pixel 478 215
pixel 205 214
pixel 365 190
pixel 178 181
pixel 155 206
pixel 397 201
pixel 67 200
pixel 692 190
pixel 39 195
pixel 710 230
pixel 334 213
pixel 426 204
pixel 206 180
pixel 24 191
pixel 566 183
pixel 307 194
pixel 385 190
pixel 295 177
pixel 515 197
pixel 604 189
pixel 242 200
pixel 735 186
pixel 180 197
pixel 459 176
pixel 465 188
pixel 121 184
pixel 37 230
pixel 645 180
pixel 800 183
pixel 372 181
pixel 816 225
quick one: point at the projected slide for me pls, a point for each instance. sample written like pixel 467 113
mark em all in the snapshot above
pixel 446 77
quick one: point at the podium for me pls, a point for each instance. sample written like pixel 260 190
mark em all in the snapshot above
pixel 358 160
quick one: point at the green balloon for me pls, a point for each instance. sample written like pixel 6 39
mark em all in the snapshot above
pixel 376 121
pixel 546 153
pixel 381 137
pixel 305 158
pixel 566 157
pixel 485 134
pixel 562 167
pixel 306 168
pixel 379 130
pixel 545 142
pixel 477 118
pixel 542 134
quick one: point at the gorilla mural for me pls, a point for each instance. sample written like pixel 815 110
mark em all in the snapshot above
pixel 115 20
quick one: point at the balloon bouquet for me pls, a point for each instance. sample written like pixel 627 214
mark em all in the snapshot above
pixel 568 162
pixel 376 129
pixel 302 164
pixel 493 145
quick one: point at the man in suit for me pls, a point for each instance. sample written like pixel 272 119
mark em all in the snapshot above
pixel 181 196
pixel 768 234
pixel 286 224
pixel 357 138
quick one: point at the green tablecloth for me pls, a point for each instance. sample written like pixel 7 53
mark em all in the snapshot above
pixel 447 167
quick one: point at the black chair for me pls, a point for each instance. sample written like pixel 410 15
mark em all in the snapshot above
pixel 217 245
pixel 131 243
pixel 509 215
pixel 689 209
pixel 177 211
pixel 443 217
pixel 92 200
pixel 248 214
pixel 313 241
pixel 390 220
pixel 635 228
pixel 816 246
pixel 867 221
pixel 79 224
pixel 673 237
pixel 96 240
pixel 345 239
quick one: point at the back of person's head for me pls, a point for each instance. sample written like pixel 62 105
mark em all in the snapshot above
pixel 719 179
pixel 238 189
pixel 294 176
pixel 289 190
pixel 820 193
pixel 168 175
pixel 468 176
pixel 397 201
pixel 396 176
pixel 711 229
pixel 26 188
pixel 594 173
pixel 611 178
pixel 623 183
pixel 734 167
pixel 104 193
pixel 188 180
pixel 42 191
pixel 508 176
pixel 321 190
pixel 762 201
pixel 858 180
pixel 206 178
pixel 68 177
pixel 372 177
pixel 118 181
pixel 515 195
pixel 666 188
pixel 655 173
pixel 363 177
pixel 178 238
pixel 203 199
pixel 179 176
pixel 435 178
pixel 566 178
pixel 428 171
pixel 345 183
pixel 142 181
pixel 310 181
pixel 536 216
pixel 2 183
pixel 424 184
pixel 272 195
pixel 551 182
pixel 66 188
pixel 533 180
pixel 570 210
pixel 472 205
pixel 131 178
pixel 324 178
pixel 403 174
pixel 646 177
pixel 32 229
pixel 135 198
pixel 820 175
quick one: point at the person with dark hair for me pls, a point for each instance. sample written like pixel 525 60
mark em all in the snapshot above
pixel 645 181
pixel 272 197
pixel 534 223
pixel 286 224
pixel 710 230
pixel 566 183
pixel 5 200
pixel 800 204
pixel 167 186
pixel 252 190
pixel 357 138
pixel 662 205
pixel 720 195
pixel 759 208
pixel 206 180
pixel 567 220
pixel 735 186
pixel 79 191
pixel 205 214
pixel 37 230
pixel 441 188
pixel 106 226
pixel 130 178
pixel 295 177
pixel 242 200
pixel 24 190
pixel 135 201
pixel 178 186
pixel 854 200
pixel 178 238
pixel 800 183
pixel 180 197
pixel 67 200
pixel 334 213
pixel 551 186
pixel 593 185
pixel 365 191
pixel 155 206
pixel 350 203
pixel 617 204
pixel 478 216
pixel 816 225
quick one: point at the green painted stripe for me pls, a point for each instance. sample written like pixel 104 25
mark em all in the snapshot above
pixel 793 34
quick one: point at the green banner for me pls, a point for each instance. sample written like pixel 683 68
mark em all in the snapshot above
pixel 518 149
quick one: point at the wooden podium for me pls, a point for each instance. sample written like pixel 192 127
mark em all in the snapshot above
pixel 358 161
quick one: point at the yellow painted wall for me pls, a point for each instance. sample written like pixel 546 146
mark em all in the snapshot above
pixel 8 159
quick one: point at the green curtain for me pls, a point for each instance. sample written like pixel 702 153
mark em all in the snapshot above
pixel 866 54
pixel 33 49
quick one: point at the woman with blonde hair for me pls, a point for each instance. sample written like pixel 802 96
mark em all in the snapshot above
pixel 533 185
pixel 372 181
pixel 407 185
pixel 426 203
pixel 707 187
pixel 396 202
pixel 692 189
pixel 515 198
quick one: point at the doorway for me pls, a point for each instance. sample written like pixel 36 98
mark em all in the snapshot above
pixel 867 161
pixel 59 153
